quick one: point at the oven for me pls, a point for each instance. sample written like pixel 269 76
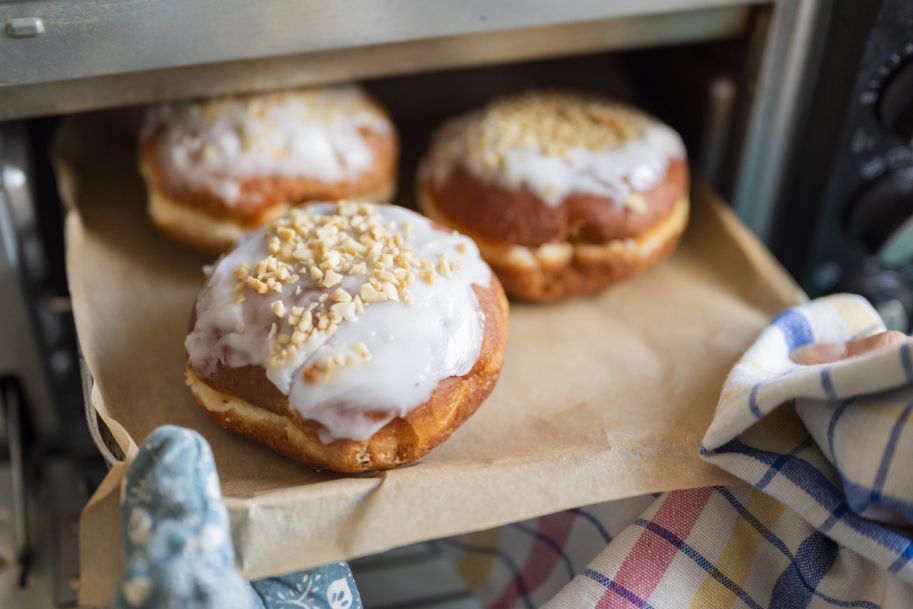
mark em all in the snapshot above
pixel 797 111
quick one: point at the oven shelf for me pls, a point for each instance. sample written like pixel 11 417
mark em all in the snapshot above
pixel 89 55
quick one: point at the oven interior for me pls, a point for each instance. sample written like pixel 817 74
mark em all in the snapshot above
pixel 712 84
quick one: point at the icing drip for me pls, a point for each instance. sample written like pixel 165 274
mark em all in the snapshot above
pixel 215 145
pixel 559 144
pixel 378 358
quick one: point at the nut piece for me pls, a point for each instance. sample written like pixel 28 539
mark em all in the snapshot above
pixel 369 293
pixel 340 295
pixel 257 285
pixel 330 278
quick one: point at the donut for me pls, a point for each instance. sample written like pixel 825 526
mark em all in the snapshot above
pixel 564 193
pixel 217 168
pixel 347 336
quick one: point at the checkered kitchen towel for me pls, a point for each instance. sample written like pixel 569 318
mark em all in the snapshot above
pixel 524 564
pixel 825 519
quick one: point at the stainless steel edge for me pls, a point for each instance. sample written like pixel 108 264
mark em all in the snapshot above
pixel 790 57
pixel 11 411
pixel 363 62
pixel 20 353
pixel 102 37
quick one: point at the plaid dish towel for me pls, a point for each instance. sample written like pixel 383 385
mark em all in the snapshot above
pixel 824 519
pixel 524 564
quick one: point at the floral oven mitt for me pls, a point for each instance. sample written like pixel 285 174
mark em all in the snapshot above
pixel 177 542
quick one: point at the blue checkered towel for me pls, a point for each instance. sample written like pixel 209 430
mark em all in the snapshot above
pixel 833 442
pixel 825 516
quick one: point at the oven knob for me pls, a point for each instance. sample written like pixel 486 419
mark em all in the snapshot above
pixel 882 217
pixel 896 106
pixel 889 291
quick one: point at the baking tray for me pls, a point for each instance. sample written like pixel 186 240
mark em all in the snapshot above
pixel 600 398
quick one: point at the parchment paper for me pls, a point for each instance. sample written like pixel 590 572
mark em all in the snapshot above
pixel 600 398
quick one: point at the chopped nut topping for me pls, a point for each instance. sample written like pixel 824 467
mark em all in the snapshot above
pixel 390 291
pixel 443 267
pixel 385 275
pixel 327 367
pixel 343 311
pixel 330 278
pixel 549 122
pixel 340 263
pixel 340 295
pixel 257 285
pixel 242 272
pixel 369 293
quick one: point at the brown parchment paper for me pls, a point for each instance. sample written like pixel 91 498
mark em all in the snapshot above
pixel 600 398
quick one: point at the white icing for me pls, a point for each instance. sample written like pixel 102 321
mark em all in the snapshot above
pixel 616 173
pixel 215 145
pixel 413 346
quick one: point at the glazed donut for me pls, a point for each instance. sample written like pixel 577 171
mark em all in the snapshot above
pixel 218 168
pixel 348 336
pixel 563 193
